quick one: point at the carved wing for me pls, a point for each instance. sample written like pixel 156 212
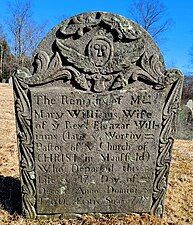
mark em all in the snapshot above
pixel 125 57
pixel 77 59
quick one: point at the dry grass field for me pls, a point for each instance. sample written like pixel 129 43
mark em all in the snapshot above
pixel 178 203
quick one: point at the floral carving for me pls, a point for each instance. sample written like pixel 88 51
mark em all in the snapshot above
pixel 121 26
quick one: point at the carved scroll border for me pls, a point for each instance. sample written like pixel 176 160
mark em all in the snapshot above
pixel 169 120
pixel 25 146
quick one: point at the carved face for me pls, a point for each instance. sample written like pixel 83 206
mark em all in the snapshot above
pixel 100 51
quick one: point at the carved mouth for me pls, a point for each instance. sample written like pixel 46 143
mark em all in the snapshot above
pixel 100 61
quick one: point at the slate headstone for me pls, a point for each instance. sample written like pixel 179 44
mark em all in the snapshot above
pixel 190 104
pixel 95 120
pixel 185 123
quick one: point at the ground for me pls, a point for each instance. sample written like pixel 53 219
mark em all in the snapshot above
pixel 178 202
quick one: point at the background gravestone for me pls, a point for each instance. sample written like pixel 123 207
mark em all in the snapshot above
pixel 190 104
pixel 185 123
pixel 10 81
pixel 95 120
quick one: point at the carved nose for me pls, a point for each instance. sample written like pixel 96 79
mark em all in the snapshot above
pixel 100 54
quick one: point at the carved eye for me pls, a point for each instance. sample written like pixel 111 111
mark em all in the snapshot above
pixel 96 46
pixel 104 47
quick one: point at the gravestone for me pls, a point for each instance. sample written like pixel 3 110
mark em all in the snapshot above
pixel 95 120
pixel 184 123
pixel 10 81
pixel 190 104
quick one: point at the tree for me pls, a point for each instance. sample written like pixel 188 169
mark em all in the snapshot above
pixel 151 15
pixel 24 33
pixel 4 55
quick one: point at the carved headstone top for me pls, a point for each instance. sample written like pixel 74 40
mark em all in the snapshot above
pixel 95 120
pixel 102 52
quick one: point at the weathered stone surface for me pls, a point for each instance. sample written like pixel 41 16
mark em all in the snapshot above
pixel 95 120
pixel 185 123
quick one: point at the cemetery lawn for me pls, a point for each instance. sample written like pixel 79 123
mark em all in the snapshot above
pixel 178 203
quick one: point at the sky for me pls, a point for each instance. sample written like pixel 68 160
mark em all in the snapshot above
pixel 177 41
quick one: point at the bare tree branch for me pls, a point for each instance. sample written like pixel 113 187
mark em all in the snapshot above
pixel 151 15
pixel 2 35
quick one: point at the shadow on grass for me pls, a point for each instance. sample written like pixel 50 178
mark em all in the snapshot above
pixel 10 194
